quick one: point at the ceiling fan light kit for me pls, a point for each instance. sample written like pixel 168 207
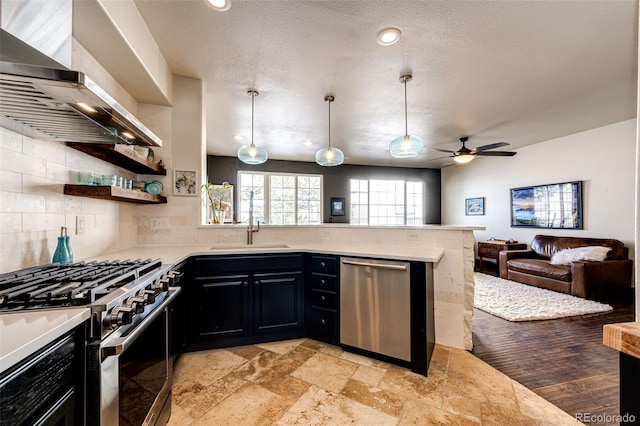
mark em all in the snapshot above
pixel 465 155
pixel 406 146
pixel 463 158
pixel 252 154
pixel 329 156
pixel 219 5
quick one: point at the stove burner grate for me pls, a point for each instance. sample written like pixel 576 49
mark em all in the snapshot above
pixel 63 285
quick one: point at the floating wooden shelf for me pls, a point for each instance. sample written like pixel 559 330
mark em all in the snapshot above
pixel 120 155
pixel 114 193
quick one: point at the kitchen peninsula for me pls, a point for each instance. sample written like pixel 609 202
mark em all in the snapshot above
pixel 449 248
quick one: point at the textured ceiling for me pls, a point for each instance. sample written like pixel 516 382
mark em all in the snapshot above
pixel 516 71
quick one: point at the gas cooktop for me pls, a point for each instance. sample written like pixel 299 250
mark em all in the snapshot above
pixel 69 284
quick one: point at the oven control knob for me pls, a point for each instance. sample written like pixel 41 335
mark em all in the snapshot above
pixel 161 284
pixel 149 296
pixel 174 277
pixel 120 315
pixel 136 304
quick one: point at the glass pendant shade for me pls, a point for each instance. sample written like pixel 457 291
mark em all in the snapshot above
pixel 252 154
pixel 406 146
pixel 329 156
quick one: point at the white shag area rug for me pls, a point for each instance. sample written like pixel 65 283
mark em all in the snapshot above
pixel 521 302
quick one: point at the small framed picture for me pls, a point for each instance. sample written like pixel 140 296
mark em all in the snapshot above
pixel 184 183
pixel 474 206
pixel 337 206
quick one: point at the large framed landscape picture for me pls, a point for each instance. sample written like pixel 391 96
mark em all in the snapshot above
pixel 553 206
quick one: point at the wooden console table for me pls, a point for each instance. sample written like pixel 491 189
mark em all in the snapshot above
pixel 492 248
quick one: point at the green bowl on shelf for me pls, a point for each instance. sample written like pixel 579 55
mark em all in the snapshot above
pixel 153 187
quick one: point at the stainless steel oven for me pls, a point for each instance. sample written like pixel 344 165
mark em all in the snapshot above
pixel 129 352
pixel 133 369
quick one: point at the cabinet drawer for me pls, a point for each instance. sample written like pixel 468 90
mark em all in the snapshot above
pixel 324 299
pixel 324 282
pixel 324 321
pixel 215 265
pixel 324 264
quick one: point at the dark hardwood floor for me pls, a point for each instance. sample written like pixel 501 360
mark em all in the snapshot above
pixel 562 360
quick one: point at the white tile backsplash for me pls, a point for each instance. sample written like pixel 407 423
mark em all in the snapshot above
pixel 33 206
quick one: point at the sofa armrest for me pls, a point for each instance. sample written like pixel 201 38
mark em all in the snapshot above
pixel 588 277
pixel 505 255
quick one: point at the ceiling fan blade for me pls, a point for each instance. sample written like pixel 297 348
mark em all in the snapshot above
pixel 490 146
pixel 496 153
pixel 439 158
pixel 443 150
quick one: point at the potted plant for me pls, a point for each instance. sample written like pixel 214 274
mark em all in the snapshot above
pixel 217 202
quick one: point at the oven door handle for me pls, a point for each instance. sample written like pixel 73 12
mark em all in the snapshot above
pixel 121 344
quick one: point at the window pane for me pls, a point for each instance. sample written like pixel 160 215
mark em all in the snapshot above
pixel 415 206
pixel 252 182
pixel 386 202
pixel 288 199
pixel 359 202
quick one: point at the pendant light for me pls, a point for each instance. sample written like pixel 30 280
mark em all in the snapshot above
pixel 406 146
pixel 252 154
pixel 329 156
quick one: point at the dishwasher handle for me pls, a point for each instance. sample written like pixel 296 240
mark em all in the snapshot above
pixel 375 265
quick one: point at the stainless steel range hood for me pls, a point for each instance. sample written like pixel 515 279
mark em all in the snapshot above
pixel 65 105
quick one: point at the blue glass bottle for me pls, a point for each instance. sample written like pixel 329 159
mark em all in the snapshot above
pixel 62 253
pixel 68 247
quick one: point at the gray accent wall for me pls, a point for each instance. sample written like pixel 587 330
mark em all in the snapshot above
pixel 335 180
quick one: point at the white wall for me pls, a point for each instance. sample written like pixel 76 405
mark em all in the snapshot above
pixel 603 158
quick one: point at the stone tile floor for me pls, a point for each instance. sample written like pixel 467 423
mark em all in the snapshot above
pixel 306 382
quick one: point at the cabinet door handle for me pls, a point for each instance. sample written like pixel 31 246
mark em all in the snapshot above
pixel 323 265
pixel 257 283
pixel 245 284
pixel 324 299
pixel 323 322
pixel 323 282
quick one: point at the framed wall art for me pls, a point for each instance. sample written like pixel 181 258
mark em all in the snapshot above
pixel 337 206
pixel 185 183
pixel 553 206
pixel 474 206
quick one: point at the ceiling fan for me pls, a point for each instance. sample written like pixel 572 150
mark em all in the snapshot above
pixel 465 155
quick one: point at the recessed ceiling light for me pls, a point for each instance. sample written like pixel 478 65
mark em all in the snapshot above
pixel 219 5
pixel 308 143
pixel 388 36
pixel 238 137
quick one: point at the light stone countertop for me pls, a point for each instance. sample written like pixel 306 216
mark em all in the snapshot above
pixel 23 333
pixel 170 254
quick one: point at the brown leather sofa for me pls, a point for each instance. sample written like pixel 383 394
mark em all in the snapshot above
pixel 603 280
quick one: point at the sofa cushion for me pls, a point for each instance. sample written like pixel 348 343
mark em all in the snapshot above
pixel 541 268
pixel 546 246
pixel 591 253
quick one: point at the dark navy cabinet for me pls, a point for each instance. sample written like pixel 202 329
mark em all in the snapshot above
pixel 321 308
pixel 244 299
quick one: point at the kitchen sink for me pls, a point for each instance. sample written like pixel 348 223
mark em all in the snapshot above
pixel 248 246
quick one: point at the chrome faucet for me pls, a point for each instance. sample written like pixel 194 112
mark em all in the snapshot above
pixel 251 229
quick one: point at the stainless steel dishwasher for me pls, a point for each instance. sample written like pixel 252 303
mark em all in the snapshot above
pixel 375 306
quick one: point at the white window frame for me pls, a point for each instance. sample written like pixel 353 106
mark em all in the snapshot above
pixel 267 194
pixel 404 205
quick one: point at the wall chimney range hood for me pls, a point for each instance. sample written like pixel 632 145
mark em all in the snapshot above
pixel 65 105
